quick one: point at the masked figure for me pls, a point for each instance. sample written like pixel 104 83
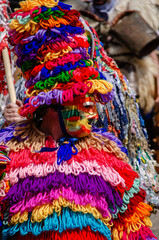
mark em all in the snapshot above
pixel 67 178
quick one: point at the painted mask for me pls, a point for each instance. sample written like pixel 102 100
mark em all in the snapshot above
pixel 79 115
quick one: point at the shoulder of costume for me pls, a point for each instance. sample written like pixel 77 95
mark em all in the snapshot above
pixel 23 134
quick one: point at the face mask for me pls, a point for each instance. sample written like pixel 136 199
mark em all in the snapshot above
pixel 79 115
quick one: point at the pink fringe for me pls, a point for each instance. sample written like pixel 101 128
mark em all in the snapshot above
pixel 43 169
pixel 29 203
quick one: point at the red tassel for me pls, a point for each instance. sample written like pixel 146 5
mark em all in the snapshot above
pixel 76 234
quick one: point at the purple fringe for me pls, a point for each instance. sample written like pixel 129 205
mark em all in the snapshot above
pixel 108 97
pixel 7 133
pixel 46 98
pixel 81 183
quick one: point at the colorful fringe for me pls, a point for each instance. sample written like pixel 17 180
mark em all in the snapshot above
pixel 52 50
pixel 95 193
pixel 46 197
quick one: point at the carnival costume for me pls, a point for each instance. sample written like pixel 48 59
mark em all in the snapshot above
pixel 81 187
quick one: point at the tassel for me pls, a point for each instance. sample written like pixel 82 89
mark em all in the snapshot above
pixel 65 150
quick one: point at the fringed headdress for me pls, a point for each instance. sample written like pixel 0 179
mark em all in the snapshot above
pixel 54 55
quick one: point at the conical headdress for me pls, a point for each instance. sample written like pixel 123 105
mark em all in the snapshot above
pixel 53 52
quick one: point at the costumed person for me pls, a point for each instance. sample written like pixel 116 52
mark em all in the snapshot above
pixel 67 179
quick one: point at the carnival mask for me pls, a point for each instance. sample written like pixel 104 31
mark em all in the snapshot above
pixel 78 116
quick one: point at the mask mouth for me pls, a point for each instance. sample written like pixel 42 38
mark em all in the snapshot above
pixel 91 116
pixel 79 132
pixel 92 121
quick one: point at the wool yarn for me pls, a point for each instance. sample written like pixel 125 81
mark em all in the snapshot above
pixel 46 198
pixel 44 35
pixel 90 190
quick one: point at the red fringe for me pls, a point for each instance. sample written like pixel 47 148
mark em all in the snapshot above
pixel 76 234
pixel 137 198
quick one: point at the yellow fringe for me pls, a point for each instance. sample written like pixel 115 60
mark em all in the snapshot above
pixel 33 27
pixel 42 212
pixel 30 4
pixel 54 55
pixel 100 86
